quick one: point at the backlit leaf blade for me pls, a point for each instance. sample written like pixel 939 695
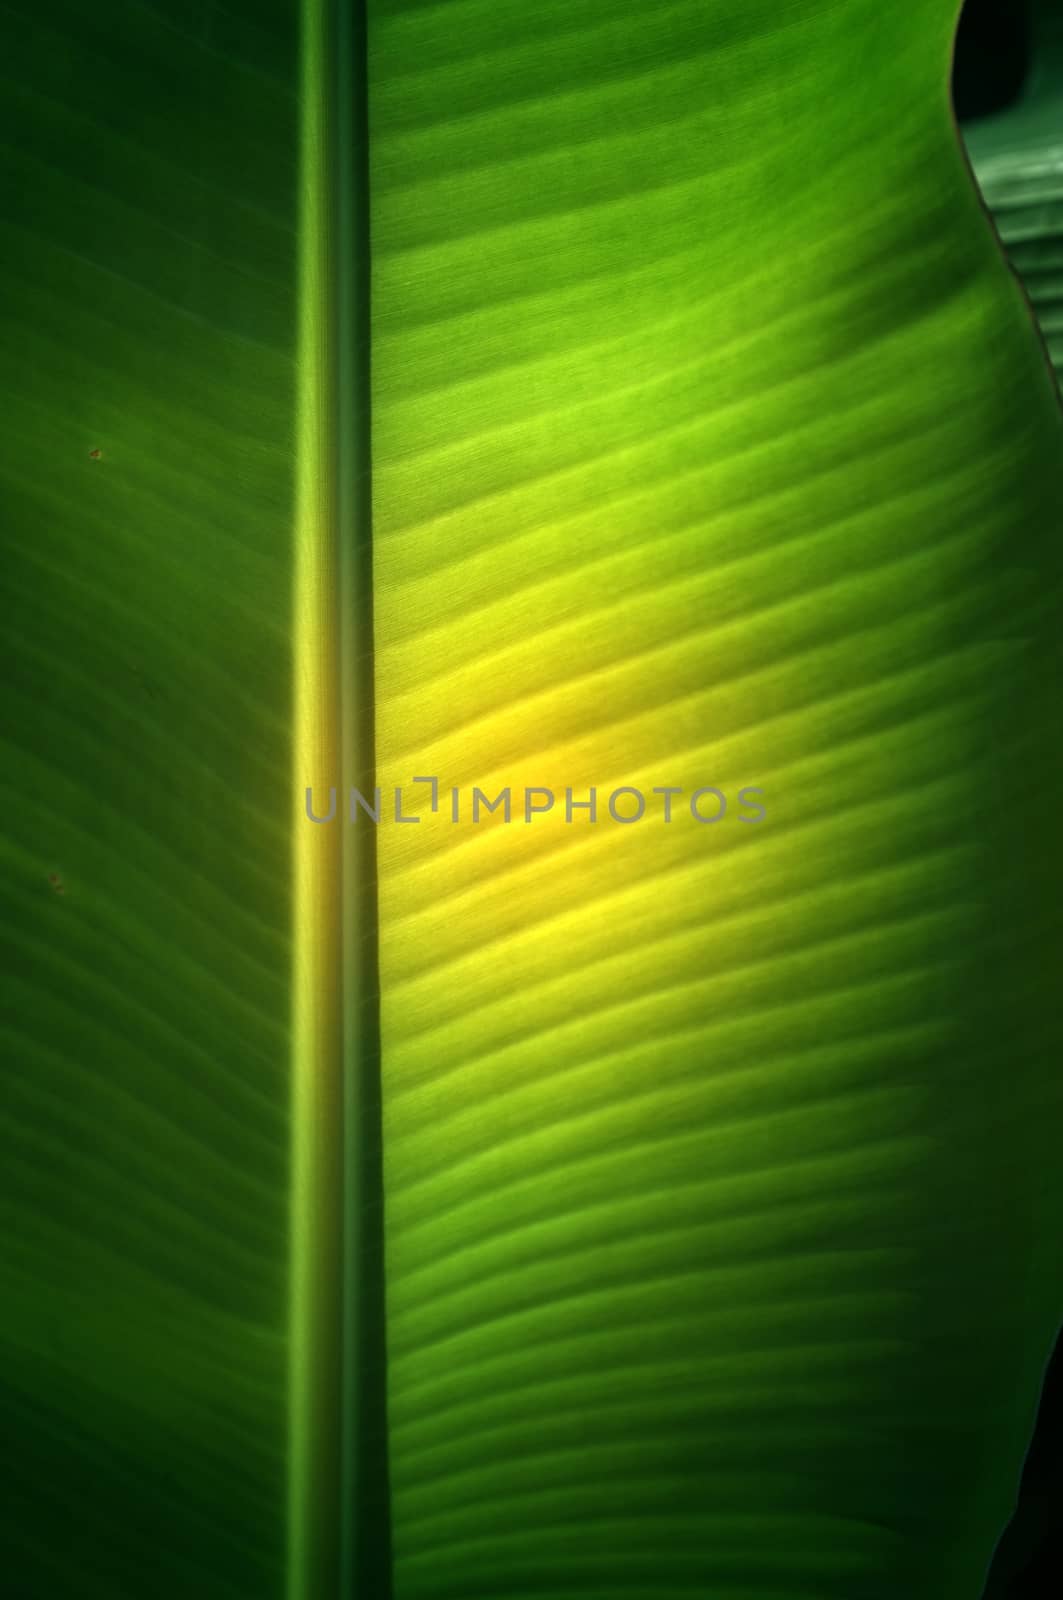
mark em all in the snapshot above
pixel 710 444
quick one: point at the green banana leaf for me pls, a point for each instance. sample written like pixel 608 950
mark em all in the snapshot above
pixel 569 395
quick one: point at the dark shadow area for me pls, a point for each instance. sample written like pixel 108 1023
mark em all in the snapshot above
pixel 1028 1564
pixel 992 57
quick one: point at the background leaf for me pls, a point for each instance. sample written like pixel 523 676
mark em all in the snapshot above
pixel 1018 160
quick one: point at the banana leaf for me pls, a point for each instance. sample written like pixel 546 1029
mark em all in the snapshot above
pixel 580 395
